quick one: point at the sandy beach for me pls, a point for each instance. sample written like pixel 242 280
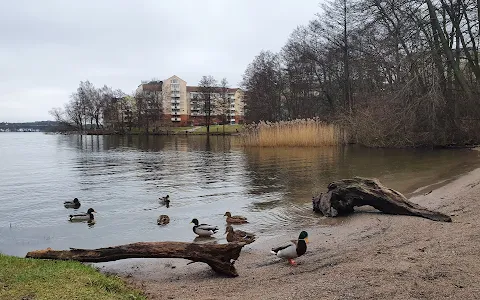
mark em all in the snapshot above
pixel 367 255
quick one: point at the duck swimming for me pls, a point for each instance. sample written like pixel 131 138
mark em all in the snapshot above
pixel 165 200
pixel 293 250
pixel 235 219
pixel 72 204
pixel 238 235
pixel 163 220
pixel 203 229
pixel 88 216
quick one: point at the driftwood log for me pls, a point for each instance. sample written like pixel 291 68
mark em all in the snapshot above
pixel 343 195
pixel 220 257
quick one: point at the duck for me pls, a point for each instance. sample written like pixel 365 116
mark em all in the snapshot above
pixel 235 219
pixel 72 204
pixel 88 216
pixel 293 250
pixel 203 229
pixel 239 235
pixel 163 220
pixel 165 200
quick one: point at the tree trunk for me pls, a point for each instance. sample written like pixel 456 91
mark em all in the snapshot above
pixel 220 258
pixel 343 195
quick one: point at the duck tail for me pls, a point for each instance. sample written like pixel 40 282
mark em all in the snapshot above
pixel 273 252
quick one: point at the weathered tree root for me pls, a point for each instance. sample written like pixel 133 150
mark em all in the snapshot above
pixel 220 257
pixel 343 195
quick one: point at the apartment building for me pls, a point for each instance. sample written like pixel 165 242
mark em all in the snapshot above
pixel 184 105
pixel 230 107
pixel 175 102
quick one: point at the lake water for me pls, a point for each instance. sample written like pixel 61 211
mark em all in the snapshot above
pixel 123 177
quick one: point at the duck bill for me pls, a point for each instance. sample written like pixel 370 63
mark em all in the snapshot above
pixel 306 240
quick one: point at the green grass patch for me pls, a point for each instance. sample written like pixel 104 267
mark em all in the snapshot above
pixel 219 128
pixel 24 278
pixel 177 129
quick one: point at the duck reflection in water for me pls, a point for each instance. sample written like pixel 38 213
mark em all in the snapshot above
pixel 205 240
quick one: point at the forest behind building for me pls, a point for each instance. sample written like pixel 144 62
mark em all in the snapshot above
pixel 394 73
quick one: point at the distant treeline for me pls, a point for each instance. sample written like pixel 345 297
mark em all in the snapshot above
pixel 36 126
pixel 394 73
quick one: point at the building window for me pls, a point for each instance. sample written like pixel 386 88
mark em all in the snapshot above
pixel 174 81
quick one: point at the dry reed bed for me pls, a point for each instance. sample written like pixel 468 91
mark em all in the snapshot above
pixel 296 133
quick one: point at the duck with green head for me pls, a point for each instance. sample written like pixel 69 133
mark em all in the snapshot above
pixel 72 204
pixel 88 216
pixel 203 229
pixel 293 250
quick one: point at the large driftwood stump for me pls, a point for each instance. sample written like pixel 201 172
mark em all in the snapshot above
pixel 220 258
pixel 343 195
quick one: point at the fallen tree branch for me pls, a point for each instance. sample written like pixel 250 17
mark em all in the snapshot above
pixel 345 194
pixel 220 257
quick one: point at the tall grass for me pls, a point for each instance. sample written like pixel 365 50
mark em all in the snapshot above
pixel 296 133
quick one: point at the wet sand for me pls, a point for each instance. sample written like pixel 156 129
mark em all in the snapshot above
pixel 367 255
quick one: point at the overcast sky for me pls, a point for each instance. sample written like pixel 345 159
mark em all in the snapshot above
pixel 47 47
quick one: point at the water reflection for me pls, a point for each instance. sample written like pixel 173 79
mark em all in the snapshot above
pixel 123 177
pixel 205 240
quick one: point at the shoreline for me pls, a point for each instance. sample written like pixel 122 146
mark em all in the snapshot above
pixel 365 255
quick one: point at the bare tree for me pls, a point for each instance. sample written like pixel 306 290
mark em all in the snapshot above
pixel 397 73
pixel 207 93
pixel 149 104
pixel 263 82
pixel 224 103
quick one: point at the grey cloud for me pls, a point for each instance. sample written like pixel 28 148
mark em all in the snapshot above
pixel 49 46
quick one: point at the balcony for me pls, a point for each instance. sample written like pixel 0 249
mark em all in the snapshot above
pixel 176 119
pixel 175 113
pixel 175 101
pixel 175 95
pixel 175 108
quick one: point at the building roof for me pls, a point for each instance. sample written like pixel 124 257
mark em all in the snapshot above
pixel 197 89
pixel 152 86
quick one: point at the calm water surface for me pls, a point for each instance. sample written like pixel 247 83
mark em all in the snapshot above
pixel 123 177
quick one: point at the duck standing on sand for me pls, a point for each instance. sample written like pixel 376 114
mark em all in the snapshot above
pixel 88 216
pixel 72 204
pixel 235 219
pixel 203 230
pixel 296 249
pixel 238 235
pixel 165 200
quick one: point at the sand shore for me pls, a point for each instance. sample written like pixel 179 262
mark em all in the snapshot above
pixel 365 256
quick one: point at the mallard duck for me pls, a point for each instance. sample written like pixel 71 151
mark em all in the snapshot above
pixel 165 200
pixel 163 220
pixel 238 235
pixel 88 216
pixel 296 249
pixel 72 204
pixel 203 229
pixel 235 219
